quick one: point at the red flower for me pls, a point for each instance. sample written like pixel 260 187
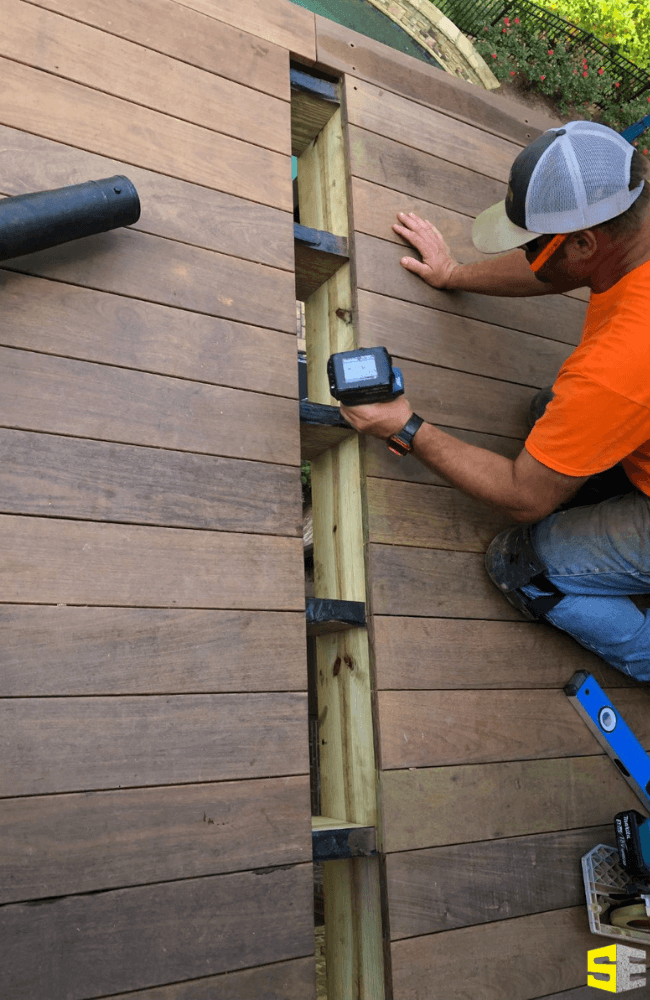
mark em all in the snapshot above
pixel 504 31
pixel 506 21
pixel 516 20
pixel 585 73
pixel 550 52
pixel 494 55
pixel 617 84
pixel 512 72
pixel 645 151
pixel 601 71
pixel 542 77
pixel 575 72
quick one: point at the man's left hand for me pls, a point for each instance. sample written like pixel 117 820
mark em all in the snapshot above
pixel 379 419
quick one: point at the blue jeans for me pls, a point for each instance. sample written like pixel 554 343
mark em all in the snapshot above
pixel 597 556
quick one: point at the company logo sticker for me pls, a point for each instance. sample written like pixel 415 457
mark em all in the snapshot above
pixel 616 968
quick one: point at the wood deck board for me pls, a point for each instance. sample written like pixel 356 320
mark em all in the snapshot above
pixel 109 651
pixel 187 35
pixel 292 980
pixel 53 476
pixel 52 561
pixel 176 209
pixel 422 729
pixel 69 744
pixel 114 404
pixel 90 841
pixel 136 938
pixel 460 804
pixel 104 62
pixel 51 317
pixel 282 24
pixel 67 112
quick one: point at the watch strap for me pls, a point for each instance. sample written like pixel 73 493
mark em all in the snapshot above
pixel 402 442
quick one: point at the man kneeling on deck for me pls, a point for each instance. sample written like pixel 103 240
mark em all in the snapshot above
pixel 578 205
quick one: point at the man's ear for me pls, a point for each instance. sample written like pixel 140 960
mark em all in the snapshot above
pixel 582 245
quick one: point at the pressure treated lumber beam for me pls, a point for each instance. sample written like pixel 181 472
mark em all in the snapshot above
pixel 313 102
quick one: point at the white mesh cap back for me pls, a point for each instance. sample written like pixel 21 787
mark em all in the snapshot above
pixel 580 180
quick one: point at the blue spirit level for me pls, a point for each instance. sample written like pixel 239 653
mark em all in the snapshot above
pixel 621 745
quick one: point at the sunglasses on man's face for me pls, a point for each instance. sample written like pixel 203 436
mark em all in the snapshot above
pixel 538 243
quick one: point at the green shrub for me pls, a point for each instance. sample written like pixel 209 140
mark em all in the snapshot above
pixel 624 25
pixel 573 78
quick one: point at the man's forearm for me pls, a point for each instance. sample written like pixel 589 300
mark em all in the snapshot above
pixel 503 275
pixel 482 474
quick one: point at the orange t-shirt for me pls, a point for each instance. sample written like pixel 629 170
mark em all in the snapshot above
pixel 600 414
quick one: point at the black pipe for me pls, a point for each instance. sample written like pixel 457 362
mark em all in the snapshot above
pixel 31 222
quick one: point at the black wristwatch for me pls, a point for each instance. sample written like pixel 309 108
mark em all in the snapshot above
pixel 402 442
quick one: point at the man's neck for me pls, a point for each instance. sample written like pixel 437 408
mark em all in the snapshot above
pixel 620 256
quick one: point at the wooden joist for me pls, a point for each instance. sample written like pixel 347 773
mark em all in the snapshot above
pixel 321 427
pixel 334 616
pixel 319 255
pixel 313 102
pixel 334 840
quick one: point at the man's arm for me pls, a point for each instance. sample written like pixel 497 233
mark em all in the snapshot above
pixel 508 274
pixel 524 489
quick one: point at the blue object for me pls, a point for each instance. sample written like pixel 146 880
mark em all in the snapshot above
pixel 634 131
pixel 612 732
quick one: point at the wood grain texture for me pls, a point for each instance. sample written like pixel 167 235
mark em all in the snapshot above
pixel 354 54
pixel 454 805
pixel 58 845
pixel 282 23
pixel 433 583
pixel 55 476
pixel 50 317
pixel 51 561
pixel 429 517
pixel 188 35
pixel 60 396
pixel 135 264
pixel 380 462
pixel 443 135
pixel 430 728
pixel 379 270
pixel 465 401
pixel 105 62
pixel 82 946
pixel 446 887
pixel 443 338
pixel 92 651
pixel 420 175
pixel 293 980
pixel 71 744
pixel 172 208
pixel 520 958
pixel 67 112
pixel 432 653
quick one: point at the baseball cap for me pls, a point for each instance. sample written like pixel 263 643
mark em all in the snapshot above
pixel 570 178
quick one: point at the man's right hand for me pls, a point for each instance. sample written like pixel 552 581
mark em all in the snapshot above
pixel 437 264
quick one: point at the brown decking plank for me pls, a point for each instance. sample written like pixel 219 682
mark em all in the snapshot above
pixel 166 26
pixel 175 209
pixel 464 884
pixel 429 517
pixel 403 120
pixel 56 845
pixel 130 263
pixel 283 23
pixel 458 342
pixel 87 651
pixel 52 745
pixel 54 476
pixel 52 561
pixel 517 959
pixel 379 270
pixel 440 728
pixel 433 653
pixel 293 980
pixel 357 55
pixel 67 112
pixel 61 396
pixel 434 583
pixel 80 323
pixel 129 939
pixel 468 802
pixel 141 76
